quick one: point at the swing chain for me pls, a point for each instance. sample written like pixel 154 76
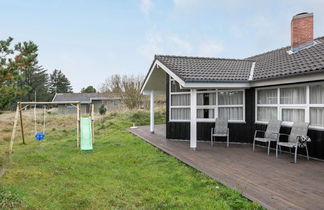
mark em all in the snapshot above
pixel 40 136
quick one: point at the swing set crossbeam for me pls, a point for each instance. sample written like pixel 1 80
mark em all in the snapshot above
pixel 49 103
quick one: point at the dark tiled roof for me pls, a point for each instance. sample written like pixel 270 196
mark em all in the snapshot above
pixel 274 64
pixel 85 97
pixel 278 63
pixel 207 69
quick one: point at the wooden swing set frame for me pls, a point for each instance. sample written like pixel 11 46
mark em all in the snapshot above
pixel 20 115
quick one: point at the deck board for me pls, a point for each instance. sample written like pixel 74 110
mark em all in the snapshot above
pixel 274 183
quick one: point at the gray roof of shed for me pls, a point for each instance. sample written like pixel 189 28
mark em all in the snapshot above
pixel 85 97
pixel 274 64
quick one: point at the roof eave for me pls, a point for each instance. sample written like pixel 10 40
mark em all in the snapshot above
pixel 218 81
pixel 288 76
pixel 157 63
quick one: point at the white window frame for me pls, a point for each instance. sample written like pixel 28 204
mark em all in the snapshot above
pixel 279 106
pixel 215 107
pixel 229 106
pixel 170 102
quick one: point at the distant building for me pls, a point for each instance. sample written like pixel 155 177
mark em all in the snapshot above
pixel 111 101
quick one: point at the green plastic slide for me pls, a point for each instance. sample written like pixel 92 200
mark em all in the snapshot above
pixel 86 133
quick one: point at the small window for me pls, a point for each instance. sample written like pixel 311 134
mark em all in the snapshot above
pixel 206 99
pixel 205 113
pixel 230 97
pixel 175 87
pixel 294 95
pixel 293 115
pixel 317 94
pixel 180 114
pixel 267 96
pixel 180 100
pixel 230 113
pixel 317 116
pixel 266 113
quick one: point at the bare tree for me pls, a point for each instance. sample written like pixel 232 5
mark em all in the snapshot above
pixel 112 84
pixel 128 87
pixel 131 95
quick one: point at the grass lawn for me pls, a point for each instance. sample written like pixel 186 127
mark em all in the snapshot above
pixel 123 172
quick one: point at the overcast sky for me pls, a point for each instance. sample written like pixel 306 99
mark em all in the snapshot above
pixel 90 40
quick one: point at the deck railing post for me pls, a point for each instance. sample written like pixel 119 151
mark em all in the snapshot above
pixel 152 111
pixel 193 119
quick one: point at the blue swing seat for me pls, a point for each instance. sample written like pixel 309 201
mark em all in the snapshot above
pixel 39 136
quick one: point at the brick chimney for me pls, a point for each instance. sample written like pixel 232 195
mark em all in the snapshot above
pixel 302 31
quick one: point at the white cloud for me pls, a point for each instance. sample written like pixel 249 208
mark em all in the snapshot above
pixel 152 45
pixel 146 6
pixel 194 5
pixel 180 45
pixel 186 3
pixel 158 42
pixel 210 49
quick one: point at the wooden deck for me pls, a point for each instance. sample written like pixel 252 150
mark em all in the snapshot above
pixel 275 184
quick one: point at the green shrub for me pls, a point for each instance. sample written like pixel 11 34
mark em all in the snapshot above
pixel 102 110
pixel 140 117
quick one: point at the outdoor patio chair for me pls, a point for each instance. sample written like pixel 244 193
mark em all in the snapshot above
pixel 271 134
pixel 299 129
pixel 220 130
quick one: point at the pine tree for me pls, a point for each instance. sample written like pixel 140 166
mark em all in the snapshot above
pixel 9 74
pixel 37 81
pixel 59 83
pixel 34 77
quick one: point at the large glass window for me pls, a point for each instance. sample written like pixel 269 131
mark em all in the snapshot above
pixel 266 100
pixel 220 103
pixel 210 104
pixel 300 103
pixel 206 104
pixel 230 105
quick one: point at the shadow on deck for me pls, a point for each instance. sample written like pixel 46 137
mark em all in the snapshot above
pixel 274 183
